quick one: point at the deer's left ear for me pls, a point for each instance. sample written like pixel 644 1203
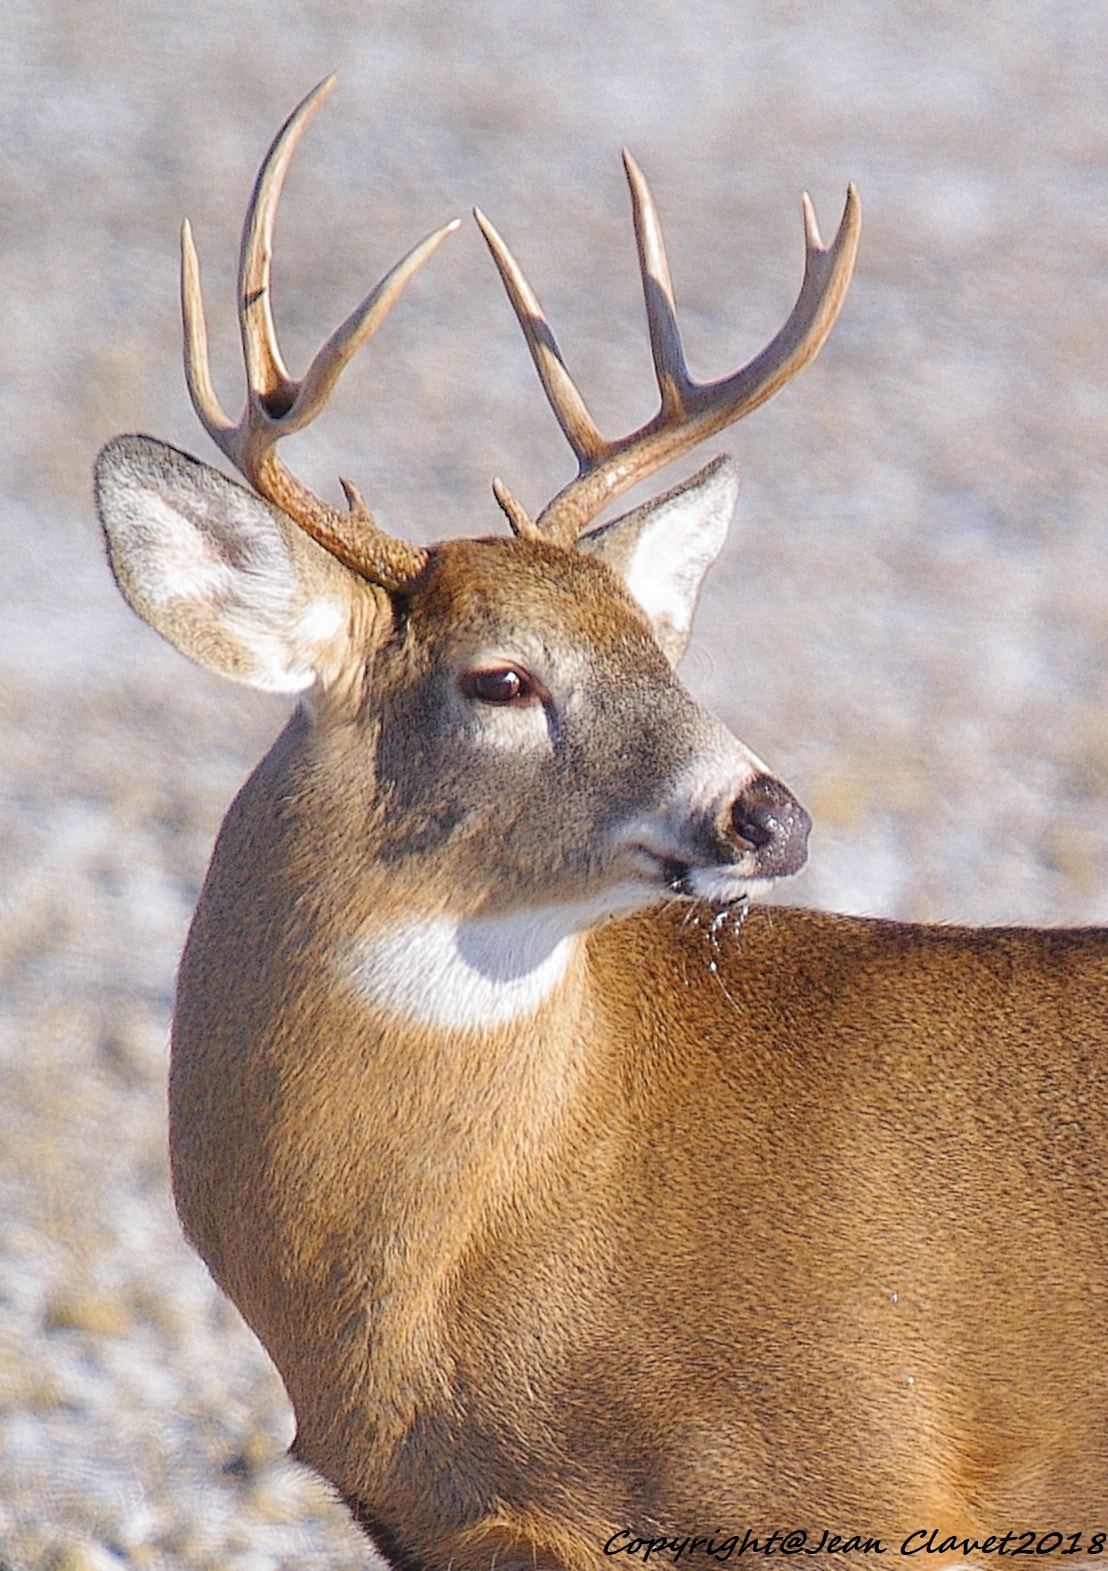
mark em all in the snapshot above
pixel 226 577
pixel 663 549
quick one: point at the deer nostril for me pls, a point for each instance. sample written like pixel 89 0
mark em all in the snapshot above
pixel 754 822
pixel 772 822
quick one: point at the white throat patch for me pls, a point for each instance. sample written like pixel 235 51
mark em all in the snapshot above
pixel 483 972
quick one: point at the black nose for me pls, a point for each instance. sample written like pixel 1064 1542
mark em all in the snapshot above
pixel 772 823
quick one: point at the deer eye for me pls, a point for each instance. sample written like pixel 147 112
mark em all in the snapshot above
pixel 504 685
pixel 498 685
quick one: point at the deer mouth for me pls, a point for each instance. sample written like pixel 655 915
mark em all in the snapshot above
pixel 672 873
pixel 719 885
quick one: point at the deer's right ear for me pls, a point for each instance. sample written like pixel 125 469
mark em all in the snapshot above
pixel 224 576
pixel 663 549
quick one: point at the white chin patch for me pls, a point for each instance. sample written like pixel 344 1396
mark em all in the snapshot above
pixel 720 887
pixel 483 972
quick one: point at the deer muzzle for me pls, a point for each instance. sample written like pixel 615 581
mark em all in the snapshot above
pixel 766 821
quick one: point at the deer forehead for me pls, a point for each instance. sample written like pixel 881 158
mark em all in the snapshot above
pixel 490 593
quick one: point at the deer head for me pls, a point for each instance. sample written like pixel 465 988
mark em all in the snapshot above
pixel 496 721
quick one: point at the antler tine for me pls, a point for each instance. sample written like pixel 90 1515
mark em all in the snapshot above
pixel 320 378
pixel 690 411
pixel 561 392
pixel 198 374
pixel 276 404
pixel 266 376
pixel 674 382
pixel 827 273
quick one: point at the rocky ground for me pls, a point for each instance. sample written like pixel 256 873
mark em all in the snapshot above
pixel 911 622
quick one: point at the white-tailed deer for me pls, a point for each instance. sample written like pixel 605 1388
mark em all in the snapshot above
pixel 580 1206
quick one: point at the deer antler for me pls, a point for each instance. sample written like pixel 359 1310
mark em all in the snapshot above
pixel 690 411
pixel 276 404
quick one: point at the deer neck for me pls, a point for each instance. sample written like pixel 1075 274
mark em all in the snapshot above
pixel 467 1075
pixel 416 1075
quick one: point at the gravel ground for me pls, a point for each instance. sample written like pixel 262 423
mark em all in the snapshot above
pixel 910 623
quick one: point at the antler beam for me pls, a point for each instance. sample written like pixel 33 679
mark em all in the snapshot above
pixel 276 404
pixel 689 411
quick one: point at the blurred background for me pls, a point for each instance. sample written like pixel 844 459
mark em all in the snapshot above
pixel 910 623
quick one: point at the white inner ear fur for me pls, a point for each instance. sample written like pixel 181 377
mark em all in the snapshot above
pixel 218 572
pixel 663 549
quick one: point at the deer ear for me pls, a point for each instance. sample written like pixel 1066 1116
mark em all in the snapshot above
pixel 225 577
pixel 663 549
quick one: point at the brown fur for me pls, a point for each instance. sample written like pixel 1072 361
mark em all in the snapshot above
pixel 796 1222
pixel 642 1271
pixel 790 1224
